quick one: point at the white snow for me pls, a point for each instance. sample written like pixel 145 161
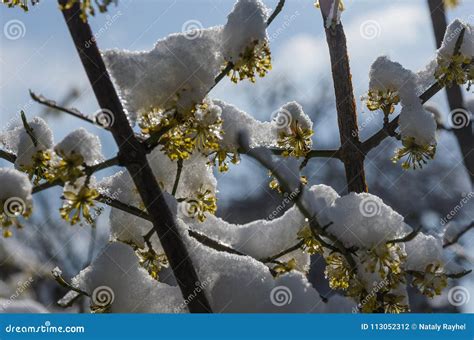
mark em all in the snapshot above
pixel 418 123
pixel 81 142
pixel 15 184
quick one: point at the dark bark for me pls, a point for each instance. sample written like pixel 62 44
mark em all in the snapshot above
pixel 351 152
pixel 132 155
pixel 455 98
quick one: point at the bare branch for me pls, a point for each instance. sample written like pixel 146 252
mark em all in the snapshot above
pixel 407 237
pixel 72 111
pixel 178 176
pixel 8 156
pixel 283 253
pixel 350 151
pixel 456 238
pixel 275 13
pixel 132 154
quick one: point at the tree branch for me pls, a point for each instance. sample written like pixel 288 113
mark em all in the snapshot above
pixel 456 238
pixel 350 152
pixel 8 156
pixel 454 94
pixel 132 154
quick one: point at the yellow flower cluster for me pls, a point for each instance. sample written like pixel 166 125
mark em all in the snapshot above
pixel 152 262
pixel 78 201
pixel 384 100
pixel 275 185
pixel 204 201
pixel 87 7
pixel 386 259
pixel 310 244
pixel 220 158
pixel 417 155
pixel 337 271
pixel 454 69
pixel 284 267
pixel 296 142
pixel 432 281
pixel 256 60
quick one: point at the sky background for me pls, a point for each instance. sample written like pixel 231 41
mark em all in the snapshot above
pixel 44 59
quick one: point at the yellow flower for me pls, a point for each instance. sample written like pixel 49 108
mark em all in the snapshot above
pixel 453 69
pixel 386 259
pixel 384 100
pixel 67 169
pixel 275 185
pixel 152 262
pixel 432 281
pixel 78 203
pixel 203 202
pixel 41 166
pixel 394 304
pixel 284 267
pixel 255 60
pixel 296 143
pixel 417 154
pixel 310 245
pixel 337 271
pixel 176 145
pixel 450 3
pixel 220 157
pixel 10 210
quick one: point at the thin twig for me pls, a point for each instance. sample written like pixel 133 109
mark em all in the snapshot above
pixel 178 176
pixel 8 156
pixel 407 237
pixel 74 112
pixel 456 238
pixel 209 242
pixel 263 156
pixel 283 253
pixel 230 65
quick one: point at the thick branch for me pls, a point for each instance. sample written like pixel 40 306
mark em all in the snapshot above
pixel 350 151
pixel 133 155
pixel 454 94
pixel 8 156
